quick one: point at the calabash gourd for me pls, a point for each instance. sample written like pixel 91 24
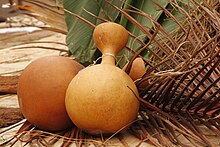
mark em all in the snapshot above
pixel 102 99
pixel 41 92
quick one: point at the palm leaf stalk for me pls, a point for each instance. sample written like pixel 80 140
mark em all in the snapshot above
pixel 182 56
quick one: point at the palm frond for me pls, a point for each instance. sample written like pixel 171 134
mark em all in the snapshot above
pixel 189 91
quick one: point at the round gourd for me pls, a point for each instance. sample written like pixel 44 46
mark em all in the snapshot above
pixel 41 91
pixel 102 99
pixel 137 71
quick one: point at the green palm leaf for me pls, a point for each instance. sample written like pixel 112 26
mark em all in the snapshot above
pixel 79 37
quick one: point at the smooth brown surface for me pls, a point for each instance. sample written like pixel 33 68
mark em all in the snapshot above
pixel 101 99
pixel 137 71
pixel 41 91
pixel 110 37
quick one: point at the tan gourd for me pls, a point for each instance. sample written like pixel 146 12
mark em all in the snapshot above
pixel 102 99
pixel 137 71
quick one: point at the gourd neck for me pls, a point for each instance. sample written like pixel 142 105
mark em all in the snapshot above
pixel 108 58
pixel 110 38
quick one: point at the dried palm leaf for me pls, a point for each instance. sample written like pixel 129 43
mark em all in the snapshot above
pixel 189 91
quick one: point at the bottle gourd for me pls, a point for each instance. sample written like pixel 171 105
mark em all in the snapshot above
pixel 102 99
